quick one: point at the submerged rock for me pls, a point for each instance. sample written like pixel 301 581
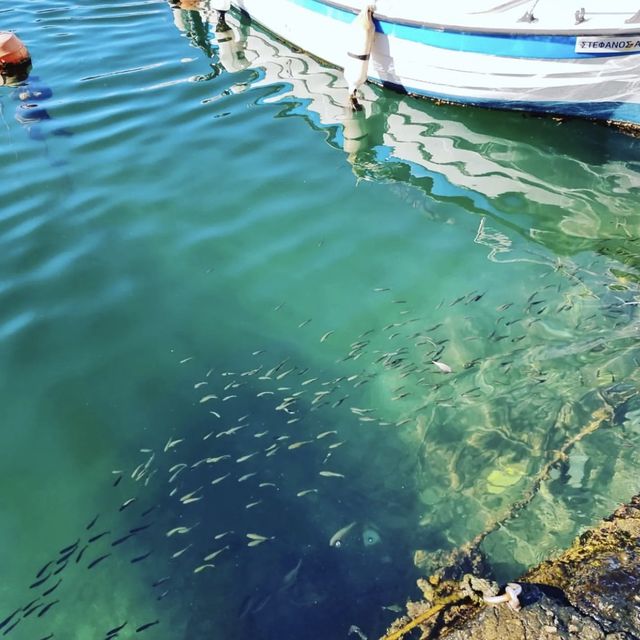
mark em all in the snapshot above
pixel 600 573
pixel 590 592
pixel 544 616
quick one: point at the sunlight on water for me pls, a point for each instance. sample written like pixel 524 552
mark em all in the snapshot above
pixel 267 361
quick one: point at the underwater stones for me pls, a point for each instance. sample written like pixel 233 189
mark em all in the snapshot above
pixel 543 617
pixel 503 477
pixel 600 573
pixel 590 592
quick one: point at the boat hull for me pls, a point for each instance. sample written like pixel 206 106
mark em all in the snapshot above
pixel 523 71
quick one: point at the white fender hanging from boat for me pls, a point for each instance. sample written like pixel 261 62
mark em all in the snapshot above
pixel 360 41
pixel 221 5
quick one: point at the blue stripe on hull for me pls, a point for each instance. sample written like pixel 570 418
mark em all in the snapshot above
pixel 496 44
pixel 624 112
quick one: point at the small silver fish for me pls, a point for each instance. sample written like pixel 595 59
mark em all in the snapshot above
pixel 246 476
pixel 176 469
pixel 324 434
pixel 291 576
pixel 202 567
pixel 297 445
pixel 358 631
pixel 191 497
pixel 220 479
pixel 252 504
pixel 331 474
pixel 172 443
pixel 300 494
pixel 337 537
pixel 257 539
pixel 231 431
pixel 217 459
pixel 326 335
pixel 177 554
pixel 178 530
pixel 247 457
pixel 445 368
pixel 126 503
pixel 207 398
pixel 211 556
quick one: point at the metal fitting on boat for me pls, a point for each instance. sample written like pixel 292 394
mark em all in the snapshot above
pixel 528 17
pixel 15 61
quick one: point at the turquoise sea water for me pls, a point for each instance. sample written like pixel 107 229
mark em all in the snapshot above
pixel 221 298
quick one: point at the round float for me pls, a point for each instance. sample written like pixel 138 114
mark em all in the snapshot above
pixel 12 50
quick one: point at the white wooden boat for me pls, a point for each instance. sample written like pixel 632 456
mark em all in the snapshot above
pixel 550 56
pixel 405 141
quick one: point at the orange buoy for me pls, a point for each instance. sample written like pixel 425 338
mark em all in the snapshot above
pixel 15 61
pixel 12 50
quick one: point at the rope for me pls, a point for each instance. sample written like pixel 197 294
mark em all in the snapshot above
pixel 599 416
pixel 395 635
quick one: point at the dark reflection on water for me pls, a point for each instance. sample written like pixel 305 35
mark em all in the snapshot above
pixel 306 477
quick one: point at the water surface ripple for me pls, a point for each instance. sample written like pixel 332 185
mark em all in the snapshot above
pixel 267 361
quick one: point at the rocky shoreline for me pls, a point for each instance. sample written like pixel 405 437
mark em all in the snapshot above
pixel 589 592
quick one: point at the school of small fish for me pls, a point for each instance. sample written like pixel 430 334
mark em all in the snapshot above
pixel 287 436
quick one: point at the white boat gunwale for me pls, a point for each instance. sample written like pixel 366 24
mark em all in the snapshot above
pixel 511 70
pixel 518 29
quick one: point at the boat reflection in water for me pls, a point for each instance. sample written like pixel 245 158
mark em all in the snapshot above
pixel 198 19
pixel 548 180
pixel 562 193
